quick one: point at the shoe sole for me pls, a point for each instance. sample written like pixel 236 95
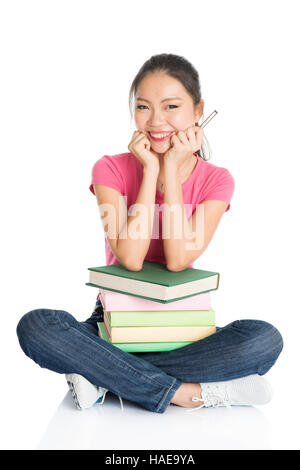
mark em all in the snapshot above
pixel 74 395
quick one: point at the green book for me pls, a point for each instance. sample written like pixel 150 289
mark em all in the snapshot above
pixel 141 347
pixel 162 318
pixel 154 281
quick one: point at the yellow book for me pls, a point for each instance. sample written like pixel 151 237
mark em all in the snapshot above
pixel 142 334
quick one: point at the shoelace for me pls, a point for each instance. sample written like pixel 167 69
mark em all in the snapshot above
pixel 103 398
pixel 212 398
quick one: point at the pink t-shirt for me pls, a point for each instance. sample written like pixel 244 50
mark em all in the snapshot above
pixel 124 172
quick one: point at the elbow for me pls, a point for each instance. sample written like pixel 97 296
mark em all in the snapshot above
pixel 132 265
pixel 175 268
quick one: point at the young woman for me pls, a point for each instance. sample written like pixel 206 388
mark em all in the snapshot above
pixel 167 164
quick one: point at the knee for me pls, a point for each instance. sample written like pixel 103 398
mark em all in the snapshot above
pixel 27 325
pixel 271 339
pixel 263 339
pixel 30 326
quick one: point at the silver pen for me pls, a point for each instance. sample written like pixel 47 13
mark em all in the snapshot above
pixel 208 119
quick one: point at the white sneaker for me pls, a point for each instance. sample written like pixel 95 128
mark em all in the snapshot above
pixel 246 391
pixel 83 392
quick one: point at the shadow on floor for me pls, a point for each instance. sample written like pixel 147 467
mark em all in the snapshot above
pixel 107 427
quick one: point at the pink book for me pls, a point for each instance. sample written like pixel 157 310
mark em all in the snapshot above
pixel 114 301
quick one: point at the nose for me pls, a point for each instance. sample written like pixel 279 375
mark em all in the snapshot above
pixel 156 119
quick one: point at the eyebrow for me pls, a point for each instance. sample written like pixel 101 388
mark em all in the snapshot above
pixel 166 99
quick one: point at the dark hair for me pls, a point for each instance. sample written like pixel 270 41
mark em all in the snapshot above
pixel 178 67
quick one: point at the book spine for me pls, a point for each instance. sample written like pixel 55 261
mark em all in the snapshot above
pixel 151 347
pixel 162 334
pixel 151 298
pixel 123 302
pixel 142 347
pixel 160 290
pixel 163 318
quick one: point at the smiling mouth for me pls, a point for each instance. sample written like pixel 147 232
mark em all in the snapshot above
pixel 160 136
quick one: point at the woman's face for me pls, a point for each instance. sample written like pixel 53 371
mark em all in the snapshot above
pixel 162 108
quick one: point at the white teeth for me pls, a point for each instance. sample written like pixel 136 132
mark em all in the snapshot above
pixel 159 136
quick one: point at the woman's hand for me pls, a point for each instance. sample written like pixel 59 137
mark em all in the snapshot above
pixel 183 145
pixel 140 146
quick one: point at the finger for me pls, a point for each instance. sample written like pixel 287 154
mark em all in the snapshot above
pixel 135 133
pixel 175 140
pixel 182 137
pixel 199 136
pixel 137 139
pixel 142 135
pixel 138 135
pixel 141 141
pixel 190 132
pixel 133 137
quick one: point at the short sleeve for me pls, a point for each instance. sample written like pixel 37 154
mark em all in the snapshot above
pixel 220 187
pixel 107 172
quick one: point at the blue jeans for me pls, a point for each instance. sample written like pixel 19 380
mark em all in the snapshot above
pixel 55 340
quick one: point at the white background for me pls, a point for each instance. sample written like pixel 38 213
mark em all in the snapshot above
pixel 67 67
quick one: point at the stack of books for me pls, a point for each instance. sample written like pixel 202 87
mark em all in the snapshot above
pixel 154 309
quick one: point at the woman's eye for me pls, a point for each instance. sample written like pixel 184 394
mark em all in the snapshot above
pixel 143 106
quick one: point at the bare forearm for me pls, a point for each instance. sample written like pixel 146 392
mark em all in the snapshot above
pixel 135 237
pixel 178 231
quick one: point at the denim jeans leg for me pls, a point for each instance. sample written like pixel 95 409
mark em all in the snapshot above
pixel 55 340
pixel 241 348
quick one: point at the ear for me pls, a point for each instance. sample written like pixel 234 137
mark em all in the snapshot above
pixel 199 109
